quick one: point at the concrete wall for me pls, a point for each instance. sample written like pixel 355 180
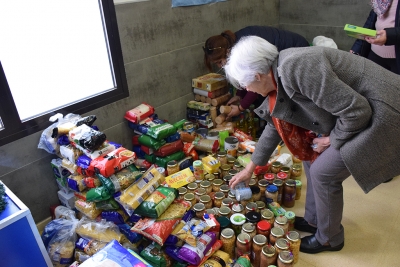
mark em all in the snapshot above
pixel 162 52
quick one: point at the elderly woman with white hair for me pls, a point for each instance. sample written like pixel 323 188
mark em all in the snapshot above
pixel 337 112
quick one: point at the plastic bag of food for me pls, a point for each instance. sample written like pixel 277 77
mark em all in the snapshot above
pixel 173 252
pixel 169 149
pixel 98 194
pixel 139 113
pixel 192 230
pixel 62 245
pixel 75 182
pixel 173 238
pixel 69 152
pixel 87 208
pixel 115 216
pixel 217 259
pixel 157 202
pixel 162 161
pixel 51 229
pixel 70 166
pixel 114 254
pixel 156 256
pixel 91 182
pixel 214 249
pixel 103 231
pixel 87 137
pixel 131 197
pixel 243 261
pixel 106 205
pixel 113 162
pixel 120 180
pixel 194 255
pixel 244 160
pixel 105 148
pixel 161 131
pixel 89 246
pixel 172 138
pixel 83 163
pixel 159 229
pixel 150 141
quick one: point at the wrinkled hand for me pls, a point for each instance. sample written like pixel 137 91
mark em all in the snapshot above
pixel 320 144
pixel 380 38
pixel 234 112
pixel 233 100
pixel 243 176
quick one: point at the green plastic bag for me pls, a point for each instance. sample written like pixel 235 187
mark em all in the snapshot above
pixel 157 202
pixel 179 124
pixel 162 162
pixel 121 180
pixel 149 141
pixel 161 131
pixel 98 194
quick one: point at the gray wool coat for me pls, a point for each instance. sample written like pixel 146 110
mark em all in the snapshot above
pixel 353 100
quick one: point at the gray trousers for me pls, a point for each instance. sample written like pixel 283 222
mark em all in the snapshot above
pixel 324 196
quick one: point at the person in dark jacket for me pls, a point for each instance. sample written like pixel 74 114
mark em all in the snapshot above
pixel 216 49
pixel 384 49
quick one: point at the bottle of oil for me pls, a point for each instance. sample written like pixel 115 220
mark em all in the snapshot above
pixel 242 123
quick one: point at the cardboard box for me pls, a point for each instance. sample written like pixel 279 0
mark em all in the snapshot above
pixel 210 82
pixel 358 32
pixel 67 199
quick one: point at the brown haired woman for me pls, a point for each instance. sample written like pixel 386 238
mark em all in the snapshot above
pixel 217 47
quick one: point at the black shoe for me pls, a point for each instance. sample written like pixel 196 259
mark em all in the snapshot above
pixel 310 244
pixel 302 225
pixel 387 181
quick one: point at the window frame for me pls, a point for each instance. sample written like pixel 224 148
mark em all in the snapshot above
pixel 15 129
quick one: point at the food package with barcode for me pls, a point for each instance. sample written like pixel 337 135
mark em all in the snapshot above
pixel 157 202
pixel 112 162
pixel 136 193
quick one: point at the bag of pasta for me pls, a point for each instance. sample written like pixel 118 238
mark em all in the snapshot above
pixel 192 230
pixel 120 180
pixel 157 202
pixel 101 231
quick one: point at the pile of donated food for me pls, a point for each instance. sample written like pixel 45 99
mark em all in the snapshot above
pixel 167 201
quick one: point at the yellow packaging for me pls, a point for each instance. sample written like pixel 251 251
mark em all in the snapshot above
pixel 180 178
pixel 210 82
pixel 215 259
pixel 211 164
pixel 139 191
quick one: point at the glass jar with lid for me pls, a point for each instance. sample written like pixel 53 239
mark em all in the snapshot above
pixel 256 193
pixel 250 229
pixel 252 182
pixel 224 189
pixel 276 167
pixel 172 167
pixel 270 177
pixel 181 192
pixel 297 170
pixel 221 156
pixel 231 161
pixel 237 166
pixel 211 211
pixel 262 184
pixel 232 172
pixel 298 189
pixel 225 169
pixel 281 222
pixel 251 206
pixel 216 184
pixel 275 234
pixel 289 193
pixel 268 216
pixel 278 183
pixel 294 241
pixel 227 202
pixel 225 211
pixel 189 197
pixel 218 197
pixel 259 241
pixel 290 215
pixel 282 176
pixel 198 193
pixel 281 244
pixel 237 221
pixel 191 187
pixel 268 256
pixel 241 152
pixel 209 177
pixel 253 217
pixel 243 245
pixel 231 194
pixel 200 209
pixel 207 186
pixel 263 228
pixel 238 208
pixel 287 170
pixel 216 175
pixel 206 200
pixel 271 193
pixel 224 222
pixel 260 206
pixel 228 239
pixel 285 259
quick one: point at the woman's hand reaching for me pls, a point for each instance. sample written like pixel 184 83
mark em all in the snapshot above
pixel 243 176
pixel 380 38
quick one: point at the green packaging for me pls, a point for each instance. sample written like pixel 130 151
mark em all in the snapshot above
pixel 151 142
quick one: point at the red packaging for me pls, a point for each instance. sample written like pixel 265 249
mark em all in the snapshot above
pixel 147 150
pixel 135 140
pixel 187 137
pixel 142 163
pixel 139 113
pixel 114 161
pixel 169 149
pixel 80 195
pixel 85 172
pixel 241 135
pixel 261 169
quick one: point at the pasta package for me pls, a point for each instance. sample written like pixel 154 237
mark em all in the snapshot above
pixel 156 256
pixel 139 113
pixel 157 202
pixel 218 259
pixel 102 231
pixel 194 255
pixel 87 208
pixel 135 194
pixel 113 162
pixel 159 229
pixel 90 247
pixel 69 152
pixel 75 182
pixel 173 238
pixel 192 230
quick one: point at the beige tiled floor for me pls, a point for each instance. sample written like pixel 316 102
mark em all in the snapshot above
pixel 372 227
